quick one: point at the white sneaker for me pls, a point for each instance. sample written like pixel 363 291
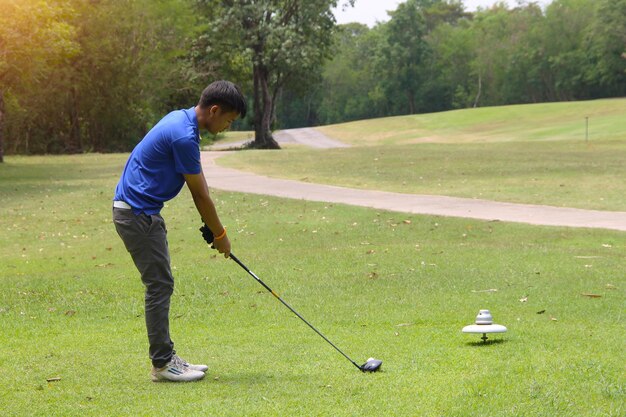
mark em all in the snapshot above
pixel 176 371
pixel 201 368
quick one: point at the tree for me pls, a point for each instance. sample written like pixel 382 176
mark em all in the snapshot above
pixel 285 41
pixel 129 72
pixel 406 52
pixel 606 48
pixel 81 75
pixel 566 22
pixel 33 35
pixel 346 87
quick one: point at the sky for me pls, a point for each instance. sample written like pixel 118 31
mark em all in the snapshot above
pixel 371 11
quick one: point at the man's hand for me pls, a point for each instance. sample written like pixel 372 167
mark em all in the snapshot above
pixel 223 244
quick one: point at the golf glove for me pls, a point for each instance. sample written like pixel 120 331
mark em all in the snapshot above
pixel 207 234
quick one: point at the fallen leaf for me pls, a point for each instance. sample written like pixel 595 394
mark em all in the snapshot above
pixel 489 290
pixel 523 299
pixel 70 313
pixel 369 252
pixel 553 318
pixel 404 324
pixel 606 245
pixel 611 287
pixel 406 221
pixel 541 311
pixel 373 275
pixel 585 294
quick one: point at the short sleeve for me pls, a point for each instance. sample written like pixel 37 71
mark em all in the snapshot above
pixel 186 153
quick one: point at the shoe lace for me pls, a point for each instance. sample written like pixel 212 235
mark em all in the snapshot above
pixel 179 362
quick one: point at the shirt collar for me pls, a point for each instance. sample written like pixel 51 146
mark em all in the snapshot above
pixel 191 115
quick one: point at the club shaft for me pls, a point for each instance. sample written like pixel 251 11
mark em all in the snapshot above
pixel 253 275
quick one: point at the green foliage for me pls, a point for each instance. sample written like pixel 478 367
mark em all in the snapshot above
pixel 34 37
pixel 433 56
pixel 81 75
pixel 403 56
pixel 102 72
pixel 347 78
pixel 282 43
pixel 606 47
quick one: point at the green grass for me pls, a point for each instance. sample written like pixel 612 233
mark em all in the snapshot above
pixel 497 154
pixel 526 122
pixel 71 307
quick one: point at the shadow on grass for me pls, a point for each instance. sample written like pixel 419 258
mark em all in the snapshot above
pixel 487 343
pixel 242 378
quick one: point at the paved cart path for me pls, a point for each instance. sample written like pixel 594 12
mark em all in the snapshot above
pixel 307 136
pixel 233 180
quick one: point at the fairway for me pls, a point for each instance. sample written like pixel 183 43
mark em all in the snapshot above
pixel 523 154
pixel 522 122
pixel 382 284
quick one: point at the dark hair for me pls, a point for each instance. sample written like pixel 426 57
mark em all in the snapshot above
pixel 226 95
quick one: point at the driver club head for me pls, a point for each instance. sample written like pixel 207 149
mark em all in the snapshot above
pixel 372 365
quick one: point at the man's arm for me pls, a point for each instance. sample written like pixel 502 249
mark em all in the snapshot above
pixel 200 193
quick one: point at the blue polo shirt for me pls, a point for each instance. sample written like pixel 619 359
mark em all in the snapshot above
pixel 154 171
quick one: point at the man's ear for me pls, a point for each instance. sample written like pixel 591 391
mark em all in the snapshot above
pixel 214 110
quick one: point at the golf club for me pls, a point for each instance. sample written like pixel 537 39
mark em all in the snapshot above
pixel 372 365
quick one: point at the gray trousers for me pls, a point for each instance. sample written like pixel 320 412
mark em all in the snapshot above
pixel 145 238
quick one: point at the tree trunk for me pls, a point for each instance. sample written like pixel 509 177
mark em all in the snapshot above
pixel 480 89
pixel 275 93
pixel 1 126
pixel 263 106
pixel 74 144
pixel 411 98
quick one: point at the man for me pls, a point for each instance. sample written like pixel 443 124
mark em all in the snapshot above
pixel 158 167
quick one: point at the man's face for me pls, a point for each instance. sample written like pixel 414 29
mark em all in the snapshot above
pixel 216 120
